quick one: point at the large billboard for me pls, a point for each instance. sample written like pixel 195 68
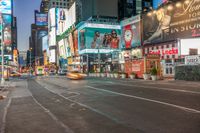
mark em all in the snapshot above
pixel 102 37
pixel 131 34
pixel 52 37
pixel 6 6
pixel 65 18
pixel 41 19
pixel 180 20
pixel 61 46
pixel 7 33
pixel 52 18
pixel 157 3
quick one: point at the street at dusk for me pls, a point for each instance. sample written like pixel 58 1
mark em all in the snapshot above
pixel 100 66
pixel 97 105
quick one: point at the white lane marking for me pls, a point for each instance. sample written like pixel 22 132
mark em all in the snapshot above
pixel 67 129
pixel 86 106
pixel 67 91
pixel 4 116
pixel 159 88
pixel 146 99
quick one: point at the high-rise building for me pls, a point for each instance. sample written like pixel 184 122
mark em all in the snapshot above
pixel 88 8
pixel 14 32
pixel 128 8
pixel 60 3
pixel 44 6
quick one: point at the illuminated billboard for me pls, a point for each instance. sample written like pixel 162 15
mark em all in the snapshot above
pixel 52 18
pixel 102 37
pixel 75 39
pixel 131 34
pixel 41 19
pixel 177 20
pixel 52 58
pixel 65 18
pixel 62 52
pixel 157 3
pixel 52 37
pixel 6 6
pixel 7 32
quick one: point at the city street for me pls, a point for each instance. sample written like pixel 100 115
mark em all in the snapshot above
pixel 101 105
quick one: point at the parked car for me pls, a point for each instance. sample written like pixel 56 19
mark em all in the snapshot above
pixel 62 72
pixel 75 75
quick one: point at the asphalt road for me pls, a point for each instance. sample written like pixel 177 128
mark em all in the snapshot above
pixel 102 105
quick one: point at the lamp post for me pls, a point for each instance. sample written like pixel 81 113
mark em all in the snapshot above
pixel 2 54
pixel 30 60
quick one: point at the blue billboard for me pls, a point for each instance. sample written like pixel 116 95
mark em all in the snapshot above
pixel 92 37
pixel 157 3
pixel 41 19
pixel 6 6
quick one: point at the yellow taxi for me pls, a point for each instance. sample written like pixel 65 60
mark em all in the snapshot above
pixel 15 74
pixel 75 75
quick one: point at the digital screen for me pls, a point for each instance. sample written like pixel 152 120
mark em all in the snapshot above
pixel 131 32
pixel 5 7
pixel 7 33
pixel 99 36
pixel 157 3
pixel 41 19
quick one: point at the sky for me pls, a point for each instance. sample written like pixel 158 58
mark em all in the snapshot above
pixel 24 11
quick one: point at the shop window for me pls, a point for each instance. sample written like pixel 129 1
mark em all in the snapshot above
pixel 173 56
pixel 173 45
pixel 157 47
pixel 152 48
pixel 167 46
pixel 167 56
pixel 162 47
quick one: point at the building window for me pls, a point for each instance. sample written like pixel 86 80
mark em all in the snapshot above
pixel 130 1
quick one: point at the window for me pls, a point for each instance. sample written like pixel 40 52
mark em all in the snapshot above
pixel 130 1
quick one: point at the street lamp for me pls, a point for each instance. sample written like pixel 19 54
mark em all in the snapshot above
pixel 30 59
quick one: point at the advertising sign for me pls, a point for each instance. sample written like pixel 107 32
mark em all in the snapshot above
pixel 41 19
pixel 172 22
pixel 192 60
pixel 7 19
pixel 157 3
pixel 62 52
pixel 65 18
pixel 136 53
pixel 52 37
pixel 52 58
pixel 5 7
pixel 131 35
pixel 99 37
pixel 52 18
pixel 75 38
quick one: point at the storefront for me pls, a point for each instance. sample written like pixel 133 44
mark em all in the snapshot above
pixel 169 56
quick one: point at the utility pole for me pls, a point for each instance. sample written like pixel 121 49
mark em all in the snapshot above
pixel 2 54
pixel 30 60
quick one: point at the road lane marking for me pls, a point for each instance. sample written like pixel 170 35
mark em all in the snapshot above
pixel 149 100
pixel 158 88
pixel 86 106
pixel 3 127
pixel 67 129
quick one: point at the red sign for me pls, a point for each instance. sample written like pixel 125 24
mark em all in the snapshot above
pixel 165 51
